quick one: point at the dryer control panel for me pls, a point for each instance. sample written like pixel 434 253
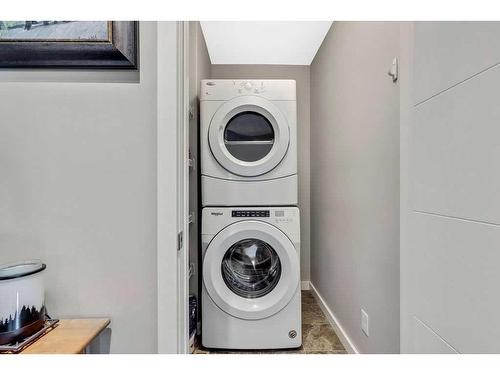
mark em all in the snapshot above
pixel 227 89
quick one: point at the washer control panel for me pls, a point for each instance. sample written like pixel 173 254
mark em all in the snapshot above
pixel 250 213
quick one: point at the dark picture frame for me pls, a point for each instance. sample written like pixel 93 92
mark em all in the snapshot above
pixel 120 52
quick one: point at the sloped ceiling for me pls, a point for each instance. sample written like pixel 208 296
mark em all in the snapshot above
pixel 264 42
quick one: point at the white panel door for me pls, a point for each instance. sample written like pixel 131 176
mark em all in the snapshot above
pixel 450 217
pixel 457 281
pixel 455 150
pixel 447 53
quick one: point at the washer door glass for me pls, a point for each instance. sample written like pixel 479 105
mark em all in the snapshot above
pixel 251 268
pixel 249 136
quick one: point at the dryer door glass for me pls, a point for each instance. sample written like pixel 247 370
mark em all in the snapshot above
pixel 251 268
pixel 249 136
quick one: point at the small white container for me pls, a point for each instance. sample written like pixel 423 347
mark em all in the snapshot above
pixel 22 300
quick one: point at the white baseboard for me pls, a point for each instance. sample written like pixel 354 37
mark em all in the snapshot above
pixel 304 285
pixel 341 333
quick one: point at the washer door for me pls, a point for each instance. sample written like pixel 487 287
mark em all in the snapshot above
pixel 251 270
pixel 249 136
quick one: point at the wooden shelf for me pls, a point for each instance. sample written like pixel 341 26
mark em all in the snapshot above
pixel 69 336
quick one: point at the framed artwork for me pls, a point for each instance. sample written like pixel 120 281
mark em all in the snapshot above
pixel 68 44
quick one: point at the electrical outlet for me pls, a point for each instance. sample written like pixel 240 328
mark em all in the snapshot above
pixel 365 322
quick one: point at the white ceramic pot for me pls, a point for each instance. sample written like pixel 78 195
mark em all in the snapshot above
pixel 22 300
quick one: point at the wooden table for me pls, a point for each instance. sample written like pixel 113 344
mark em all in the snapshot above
pixel 70 336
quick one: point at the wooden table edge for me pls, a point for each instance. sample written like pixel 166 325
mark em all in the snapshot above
pixel 32 349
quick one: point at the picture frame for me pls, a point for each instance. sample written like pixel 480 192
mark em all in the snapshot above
pixel 118 51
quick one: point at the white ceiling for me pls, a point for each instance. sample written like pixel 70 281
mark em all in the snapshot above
pixel 264 42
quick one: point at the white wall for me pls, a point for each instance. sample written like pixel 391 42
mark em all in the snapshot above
pixel 355 181
pixel 78 160
pixel 299 73
pixel 450 254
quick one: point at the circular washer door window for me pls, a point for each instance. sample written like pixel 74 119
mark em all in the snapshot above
pixel 251 268
pixel 249 136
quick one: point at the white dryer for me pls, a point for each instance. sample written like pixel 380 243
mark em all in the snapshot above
pixel 248 143
pixel 251 278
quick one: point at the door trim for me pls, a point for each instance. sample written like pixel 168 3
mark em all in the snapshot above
pixel 183 188
pixel 172 199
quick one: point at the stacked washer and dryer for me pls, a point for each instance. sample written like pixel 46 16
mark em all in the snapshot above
pixel 250 221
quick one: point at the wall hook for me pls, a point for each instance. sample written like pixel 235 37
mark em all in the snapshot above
pixel 393 71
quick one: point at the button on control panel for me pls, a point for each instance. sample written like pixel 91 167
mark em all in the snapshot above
pixel 250 213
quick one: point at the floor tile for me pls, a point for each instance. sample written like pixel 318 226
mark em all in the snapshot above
pixel 320 337
pixel 312 314
pixel 307 297
pixel 325 352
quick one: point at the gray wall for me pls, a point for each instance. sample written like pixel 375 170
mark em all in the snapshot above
pixel 78 190
pixel 450 254
pixel 355 181
pixel 199 68
pixel 301 75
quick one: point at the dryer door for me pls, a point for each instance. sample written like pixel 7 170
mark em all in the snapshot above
pixel 251 270
pixel 249 136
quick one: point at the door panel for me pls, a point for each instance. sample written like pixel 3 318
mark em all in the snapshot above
pixel 455 151
pixel 450 228
pixel 447 53
pixel 425 341
pixel 456 281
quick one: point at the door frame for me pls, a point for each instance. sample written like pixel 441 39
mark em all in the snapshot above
pixel 183 188
pixel 172 196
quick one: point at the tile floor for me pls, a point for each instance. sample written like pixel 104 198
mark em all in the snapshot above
pixel 318 337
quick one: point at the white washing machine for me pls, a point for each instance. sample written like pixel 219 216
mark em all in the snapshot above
pixel 251 278
pixel 248 143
